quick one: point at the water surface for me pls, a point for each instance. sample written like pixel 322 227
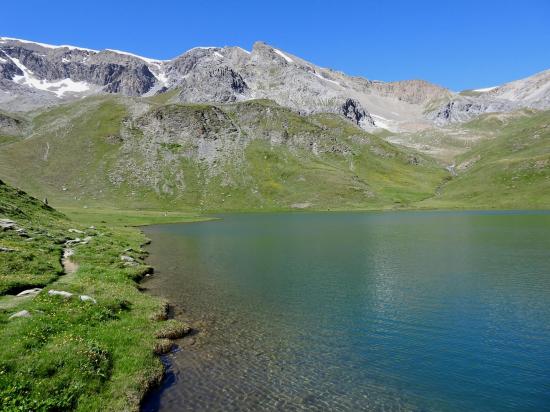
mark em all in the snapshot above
pixel 446 311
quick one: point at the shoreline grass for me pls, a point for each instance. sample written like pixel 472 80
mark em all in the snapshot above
pixel 81 355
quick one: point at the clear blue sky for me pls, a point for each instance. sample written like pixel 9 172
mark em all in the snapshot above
pixel 458 44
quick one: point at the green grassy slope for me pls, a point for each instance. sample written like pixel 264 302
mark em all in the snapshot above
pixel 89 153
pixel 34 262
pixel 67 145
pixel 509 170
pixel 80 355
pixel 111 152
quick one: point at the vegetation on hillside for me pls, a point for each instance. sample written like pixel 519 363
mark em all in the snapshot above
pixel 85 354
pixel 254 155
pixel 509 169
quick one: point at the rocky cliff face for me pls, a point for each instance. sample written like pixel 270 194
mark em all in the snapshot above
pixel 34 75
pixel 532 92
pixel 463 109
pixel 62 71
pixel 221 85
pixel 353 110
pixel 10 125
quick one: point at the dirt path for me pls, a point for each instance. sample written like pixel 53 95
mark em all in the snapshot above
pixel 69 267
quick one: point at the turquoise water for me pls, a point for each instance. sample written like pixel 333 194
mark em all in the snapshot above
pixel 446 311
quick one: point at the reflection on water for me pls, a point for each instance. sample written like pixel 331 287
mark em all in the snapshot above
pixel 359 311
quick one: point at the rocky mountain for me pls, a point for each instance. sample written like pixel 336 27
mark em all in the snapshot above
pixel 34 75
pixel 221 128
pixel 532 92
pixel 255 154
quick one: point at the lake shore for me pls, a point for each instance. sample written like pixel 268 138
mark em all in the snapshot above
pixel 88 335
pixel 126 329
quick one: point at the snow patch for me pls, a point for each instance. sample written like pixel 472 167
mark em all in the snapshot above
pixel 218 55
pixel 485 89
pixel 284 56
pixel 325 79
pixel 59 87
pixel 162 78
pixel 48 46
pixel 246 51
pixel 145 59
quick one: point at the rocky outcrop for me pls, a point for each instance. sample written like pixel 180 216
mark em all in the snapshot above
pixel 10 125
pixel 353 110
pixel 462 109
pixel 220 85
pixel 8 69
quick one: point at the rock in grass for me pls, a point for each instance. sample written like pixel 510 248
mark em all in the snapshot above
pixel 76 231
pixel 86 298
pixel 86 240
pixel 22 232
pixel 163 346
pixel 21 314
pixel 126 258
pixel 173 329
pixel 29 292
pixel 61 293
pixel 7 224
pixel 6 249
pixel 73 241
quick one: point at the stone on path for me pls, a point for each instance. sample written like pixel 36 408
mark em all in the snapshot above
pixel 86 298
pixel 61 293
pixel 29 292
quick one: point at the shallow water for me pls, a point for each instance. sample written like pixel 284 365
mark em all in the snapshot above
pixel 446 311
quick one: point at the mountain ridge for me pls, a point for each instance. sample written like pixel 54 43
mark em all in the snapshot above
pixel 30 74
pixel 34 75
